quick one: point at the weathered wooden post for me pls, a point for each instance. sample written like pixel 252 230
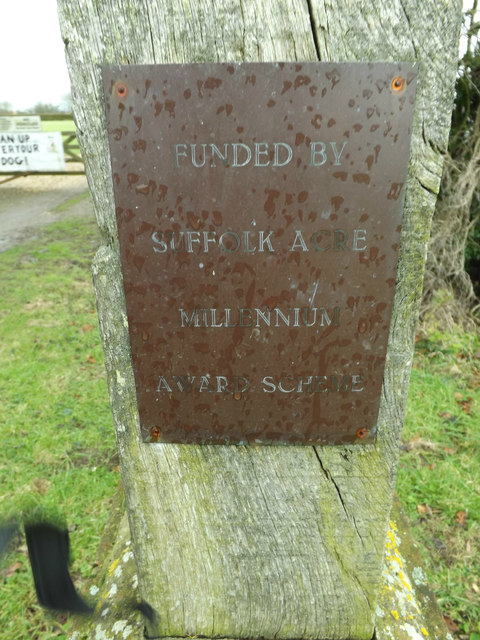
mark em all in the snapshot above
pixel 246 541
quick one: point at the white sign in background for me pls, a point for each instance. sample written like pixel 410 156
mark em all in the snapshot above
pixel 26 151
pixel 20 123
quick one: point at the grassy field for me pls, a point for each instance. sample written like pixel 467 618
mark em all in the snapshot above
pixel 439 475
pixel 58 458
pixel 58 125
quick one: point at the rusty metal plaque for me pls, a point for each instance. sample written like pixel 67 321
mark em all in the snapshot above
pixel 259 211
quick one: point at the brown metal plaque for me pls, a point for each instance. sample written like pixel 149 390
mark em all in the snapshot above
pixel 259 210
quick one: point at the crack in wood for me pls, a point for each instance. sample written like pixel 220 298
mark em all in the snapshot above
pixel 402 4
pixel 330 478
pixel 314 29
pixel 426 187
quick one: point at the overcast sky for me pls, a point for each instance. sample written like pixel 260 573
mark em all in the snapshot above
pixel 32 54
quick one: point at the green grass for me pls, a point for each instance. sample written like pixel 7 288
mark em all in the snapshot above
pixel 58 125
pixel 58 459
pixel 439 473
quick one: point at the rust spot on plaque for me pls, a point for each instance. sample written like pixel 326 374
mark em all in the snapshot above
pixel 170 107
pixel 337 202
pixel 301 80
pixel 395 190
pixel 299 138
pixel 212 83
pixel 361 178
pixel 269 205
pixel 139 145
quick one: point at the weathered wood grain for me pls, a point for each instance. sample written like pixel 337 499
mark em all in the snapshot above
pixel 406 608
pixel 250 541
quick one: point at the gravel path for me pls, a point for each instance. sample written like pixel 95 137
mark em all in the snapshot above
pixel 28 203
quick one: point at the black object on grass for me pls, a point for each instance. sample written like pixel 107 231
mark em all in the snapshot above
pixel 49 552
